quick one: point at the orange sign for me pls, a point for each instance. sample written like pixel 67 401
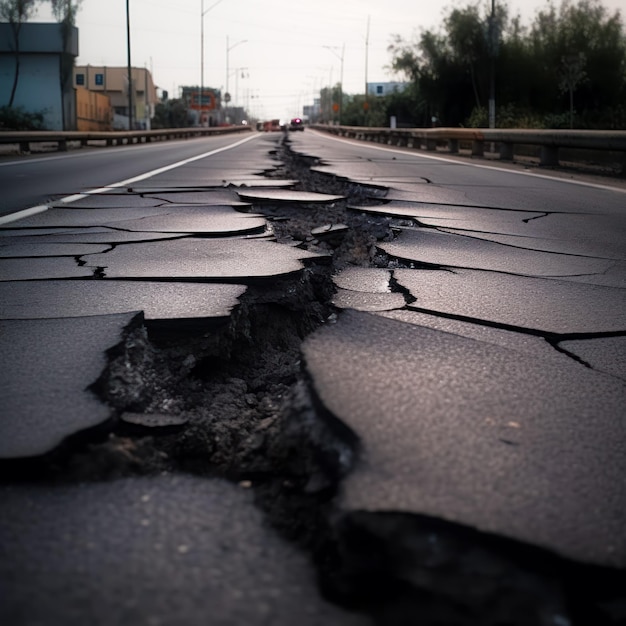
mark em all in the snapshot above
pixel 208 101
pixel 335 107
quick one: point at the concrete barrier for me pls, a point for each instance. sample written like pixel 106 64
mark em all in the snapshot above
pixel 549 141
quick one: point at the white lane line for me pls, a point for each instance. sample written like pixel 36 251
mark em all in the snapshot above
pixel 478 165
pixel 7 219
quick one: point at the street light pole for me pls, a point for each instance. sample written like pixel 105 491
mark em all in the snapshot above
pixel 367 45
pixel 130 69
pixel 228 49
pixel 239 70
pixel 202 14
pixel 492 68
pixel 343 50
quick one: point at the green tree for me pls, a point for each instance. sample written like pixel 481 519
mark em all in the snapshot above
pixel 359 111
pixel 450 67
pixel 580 51
pixel 170 114
pixel 16 12
pixel 331 103
pixel 573 53
pixel 467 45
pixel 572 74
pixel 65 12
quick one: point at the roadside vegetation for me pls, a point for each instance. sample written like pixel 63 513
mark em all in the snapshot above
pixel 567 69
pixel 16 118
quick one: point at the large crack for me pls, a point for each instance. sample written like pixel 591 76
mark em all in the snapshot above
pixel 248 413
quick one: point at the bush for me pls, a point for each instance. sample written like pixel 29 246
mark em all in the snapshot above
pixel 512 116
pixel 16 118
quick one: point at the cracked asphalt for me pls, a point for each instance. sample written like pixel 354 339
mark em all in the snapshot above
pixel 318 381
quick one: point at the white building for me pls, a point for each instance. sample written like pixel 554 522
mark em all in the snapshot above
pixel 385 89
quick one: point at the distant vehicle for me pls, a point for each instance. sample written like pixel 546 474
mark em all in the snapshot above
pixel 271 126
pixel 296 124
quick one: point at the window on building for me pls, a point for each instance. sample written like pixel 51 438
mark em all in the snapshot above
pixel 80 79
pixel 379 90
pixel 99 79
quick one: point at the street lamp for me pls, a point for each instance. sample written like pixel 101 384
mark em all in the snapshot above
pixel 492 66
pixel 340 57
pixel 130 69
pixel 243 72
pixel 228 49
pixel 203 12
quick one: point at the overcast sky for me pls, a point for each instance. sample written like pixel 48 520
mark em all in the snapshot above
pixel 280 52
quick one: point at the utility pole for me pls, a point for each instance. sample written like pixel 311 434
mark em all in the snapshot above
pixel 366 104
pixel 228 49
pixel 130 69
pixel 202 14
pixel 492 69
pixel 343 51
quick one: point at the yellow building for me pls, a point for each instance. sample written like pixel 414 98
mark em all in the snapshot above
pixel 93 111
pixel 113 82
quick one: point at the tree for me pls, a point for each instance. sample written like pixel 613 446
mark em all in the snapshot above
pixel 572 74
pixel 574 51
pixel 580 49
pixel 16 12
pixel 467 42
pixel 450 66
pixel 65 12
pixel 171 114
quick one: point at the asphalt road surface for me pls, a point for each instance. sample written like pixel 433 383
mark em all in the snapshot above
pixel 298 379
pixel 31 180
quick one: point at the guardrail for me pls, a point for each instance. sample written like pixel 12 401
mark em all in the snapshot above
pixel 549 141
pixel 61 139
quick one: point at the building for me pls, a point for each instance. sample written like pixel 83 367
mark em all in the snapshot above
pixel 93 111
pixel 385 89
pixel 312 112
pixel 113 83
pixel 44 81
pixel 205 111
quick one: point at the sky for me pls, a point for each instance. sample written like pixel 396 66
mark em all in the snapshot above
pixel 273 56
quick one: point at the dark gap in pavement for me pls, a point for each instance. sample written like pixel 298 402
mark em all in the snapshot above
pixel 253 418
pixel 536 217
pixel 556 345
pixel 395 286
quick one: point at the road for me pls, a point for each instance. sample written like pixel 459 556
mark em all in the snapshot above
pixel 33 180
pixel 396 374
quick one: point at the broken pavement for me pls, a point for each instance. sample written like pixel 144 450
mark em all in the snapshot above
pixel 416 409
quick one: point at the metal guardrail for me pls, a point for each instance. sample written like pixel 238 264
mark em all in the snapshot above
pixel 62 138
pixel 549 141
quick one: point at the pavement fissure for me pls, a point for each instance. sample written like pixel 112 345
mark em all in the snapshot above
pixel 249 413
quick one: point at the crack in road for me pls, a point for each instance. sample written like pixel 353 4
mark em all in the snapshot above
pixel 536 217
pixel 249 414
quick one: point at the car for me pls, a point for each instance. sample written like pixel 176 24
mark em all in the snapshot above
pixel 296 124
pixel 271 126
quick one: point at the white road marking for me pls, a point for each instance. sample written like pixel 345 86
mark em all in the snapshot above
pixel 421 155
pixel 7 219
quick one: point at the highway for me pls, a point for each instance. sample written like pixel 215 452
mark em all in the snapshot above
pixel 32 180
pixel 307 379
